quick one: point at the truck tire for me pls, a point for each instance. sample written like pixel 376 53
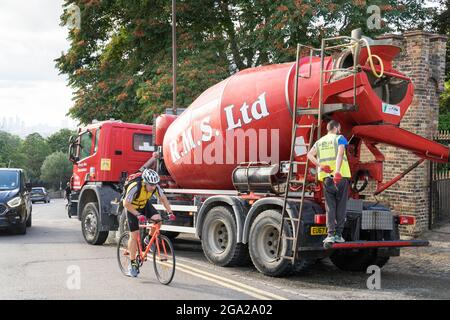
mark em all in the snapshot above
pixel 219 239
pixel 263 242
pixel 358 261
pixel 90 219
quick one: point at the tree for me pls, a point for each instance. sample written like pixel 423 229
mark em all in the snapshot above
pixel 441 24
pixel 56 170
pixel 10 151
pixel 444 108
pixel 35 149
pixel 119 62
pixel 59 141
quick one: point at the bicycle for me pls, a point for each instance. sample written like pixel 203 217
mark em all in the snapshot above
pixel 163 253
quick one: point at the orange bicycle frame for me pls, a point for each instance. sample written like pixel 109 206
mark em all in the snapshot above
pixel 155 227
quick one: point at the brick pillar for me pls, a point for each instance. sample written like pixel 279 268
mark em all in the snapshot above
pixel 423 60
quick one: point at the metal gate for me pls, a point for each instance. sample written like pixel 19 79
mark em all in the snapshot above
pixel 440 187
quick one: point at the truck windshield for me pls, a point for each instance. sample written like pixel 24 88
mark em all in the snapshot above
pixel 9 180
pixel 85 145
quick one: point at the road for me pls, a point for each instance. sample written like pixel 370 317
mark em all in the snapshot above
pixel 53 262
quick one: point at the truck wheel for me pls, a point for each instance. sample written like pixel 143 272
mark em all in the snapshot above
pixel 357 261
pixel 263 242
pixel 219 239
pixel 90 220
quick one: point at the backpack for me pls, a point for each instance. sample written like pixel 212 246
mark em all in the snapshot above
pixel 135 177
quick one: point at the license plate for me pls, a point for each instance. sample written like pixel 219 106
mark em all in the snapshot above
pixel 318 231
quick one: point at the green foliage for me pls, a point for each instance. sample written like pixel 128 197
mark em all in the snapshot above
pixel 119 62
pixel 56 170
pixel 34 149
pixel 441 24
pixel 59 141
pixel 444 108
pixel 30 154
pixel 444 121
pixel 9 155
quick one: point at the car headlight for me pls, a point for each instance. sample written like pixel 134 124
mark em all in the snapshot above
pixel 15 202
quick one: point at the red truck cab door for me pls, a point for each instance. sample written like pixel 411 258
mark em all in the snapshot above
pixel 86 149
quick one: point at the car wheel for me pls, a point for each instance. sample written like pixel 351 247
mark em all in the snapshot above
pixel 90 225
pixel 29 220
pixel 22 228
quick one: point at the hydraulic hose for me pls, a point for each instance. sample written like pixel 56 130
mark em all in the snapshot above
pixel 370 59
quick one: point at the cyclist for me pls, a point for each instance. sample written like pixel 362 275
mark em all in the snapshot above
pixel 138 207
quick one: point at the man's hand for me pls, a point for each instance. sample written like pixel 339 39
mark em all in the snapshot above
pixel 142 219
pixel 326 169
pixel 337 178
pixel 172 217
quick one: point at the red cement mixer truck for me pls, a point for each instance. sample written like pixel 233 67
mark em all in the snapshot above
pixel 234 164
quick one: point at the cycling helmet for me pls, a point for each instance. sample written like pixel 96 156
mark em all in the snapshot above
pixel 150 176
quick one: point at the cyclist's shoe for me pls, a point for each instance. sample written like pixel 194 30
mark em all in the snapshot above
pixel 133 269
pixel 338 238
pixel 128 274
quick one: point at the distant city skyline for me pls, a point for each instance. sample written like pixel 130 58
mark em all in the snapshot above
pixel 31 88
pixel 17 126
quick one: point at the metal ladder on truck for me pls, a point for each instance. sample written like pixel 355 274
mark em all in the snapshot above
pixel 298 112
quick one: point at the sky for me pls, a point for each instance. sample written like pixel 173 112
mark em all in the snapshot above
pixel 30 39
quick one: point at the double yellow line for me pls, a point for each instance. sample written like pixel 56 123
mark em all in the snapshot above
pixel 228 283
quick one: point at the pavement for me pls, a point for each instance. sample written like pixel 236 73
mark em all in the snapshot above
pixel 53 262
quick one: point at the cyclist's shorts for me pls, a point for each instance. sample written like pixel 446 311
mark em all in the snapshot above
pixel 133 222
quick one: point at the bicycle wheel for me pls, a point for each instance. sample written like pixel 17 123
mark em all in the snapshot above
pixel 123 255
pixel 164 261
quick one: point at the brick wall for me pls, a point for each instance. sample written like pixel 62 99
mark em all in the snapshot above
pixel 423 60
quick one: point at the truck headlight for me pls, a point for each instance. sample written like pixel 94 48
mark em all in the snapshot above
pixel 15 202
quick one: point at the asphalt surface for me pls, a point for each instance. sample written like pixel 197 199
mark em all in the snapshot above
pixel 53 262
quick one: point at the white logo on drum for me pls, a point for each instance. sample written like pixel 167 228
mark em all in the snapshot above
pixel 258 111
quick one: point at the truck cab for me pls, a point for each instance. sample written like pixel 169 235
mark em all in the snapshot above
pixel 103 155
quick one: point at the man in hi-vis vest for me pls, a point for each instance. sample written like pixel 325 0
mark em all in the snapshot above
pixel 334 172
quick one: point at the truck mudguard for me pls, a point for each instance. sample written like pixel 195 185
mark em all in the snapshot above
pixel 103 195
pixel 310 208
pixel 239 208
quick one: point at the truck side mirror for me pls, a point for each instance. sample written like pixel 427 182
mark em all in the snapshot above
pixel 28 186
pixel 72 144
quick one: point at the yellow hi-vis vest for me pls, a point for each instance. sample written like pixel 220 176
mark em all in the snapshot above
pixel 327 150
pixel 143 196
